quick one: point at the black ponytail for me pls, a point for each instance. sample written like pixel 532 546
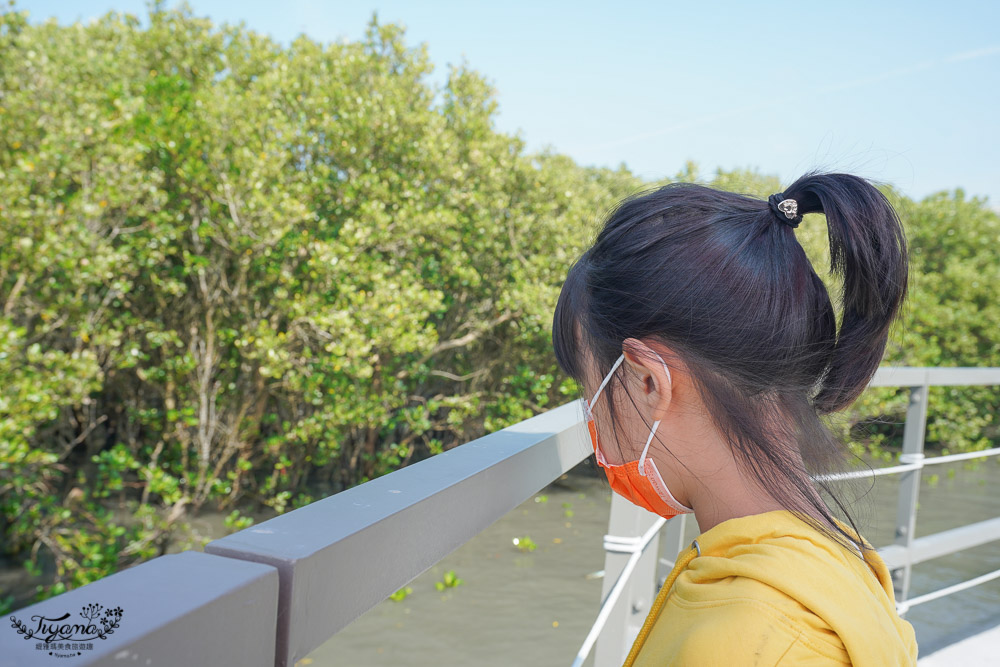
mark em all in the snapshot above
pixel 868 253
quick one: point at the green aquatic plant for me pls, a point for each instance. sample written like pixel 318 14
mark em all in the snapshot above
pixel 450 580
pixel 401 594
pixel 525 543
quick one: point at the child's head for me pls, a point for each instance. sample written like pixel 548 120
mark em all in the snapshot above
pixel 719 284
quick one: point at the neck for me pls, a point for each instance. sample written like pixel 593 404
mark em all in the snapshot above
pixel 730 495
pixel 713 506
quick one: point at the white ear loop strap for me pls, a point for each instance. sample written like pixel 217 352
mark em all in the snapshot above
pixel 642 459
pixel 606 378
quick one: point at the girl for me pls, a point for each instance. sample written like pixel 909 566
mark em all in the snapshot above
pixel 699 322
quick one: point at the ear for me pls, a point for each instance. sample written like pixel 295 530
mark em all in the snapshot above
pixel 655 386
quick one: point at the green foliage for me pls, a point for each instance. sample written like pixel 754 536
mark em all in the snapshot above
pixel 234 521
pixel 238 273
pixel 231 271
pixel 449 580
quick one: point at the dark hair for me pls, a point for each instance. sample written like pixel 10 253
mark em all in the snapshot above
pixel 718 279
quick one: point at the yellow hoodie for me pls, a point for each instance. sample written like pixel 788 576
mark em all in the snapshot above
pixel 769 589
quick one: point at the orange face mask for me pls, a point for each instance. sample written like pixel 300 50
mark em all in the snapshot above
pixel 638 481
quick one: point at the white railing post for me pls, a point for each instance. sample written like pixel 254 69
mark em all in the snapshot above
pixel 909 487
pixel 673 543
pixel 626 527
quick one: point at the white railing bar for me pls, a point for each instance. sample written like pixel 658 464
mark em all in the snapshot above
pixel 856 474
pixel 935 376
pixel 903 607
pixel 961 457
pixel 890 470
pixel 637 547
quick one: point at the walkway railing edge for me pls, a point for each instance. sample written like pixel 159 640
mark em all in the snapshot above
pixel 273 592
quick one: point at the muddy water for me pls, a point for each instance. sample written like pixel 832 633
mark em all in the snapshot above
pixel 535 608
pixel 515 607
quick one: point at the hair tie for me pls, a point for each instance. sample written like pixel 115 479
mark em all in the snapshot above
pixel 785 209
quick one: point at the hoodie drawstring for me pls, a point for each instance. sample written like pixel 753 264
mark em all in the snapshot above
pixel 661 599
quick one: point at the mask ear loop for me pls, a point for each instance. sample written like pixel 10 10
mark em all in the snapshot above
pixel 588 407
pixel 606 378
pixel 642 459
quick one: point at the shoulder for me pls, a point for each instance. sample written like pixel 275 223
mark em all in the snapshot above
pixel 735 631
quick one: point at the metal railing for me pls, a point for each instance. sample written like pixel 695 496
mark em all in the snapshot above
pixel 272 593
pixel 626 596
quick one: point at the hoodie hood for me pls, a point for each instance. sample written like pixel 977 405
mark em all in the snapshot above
pixel 844 602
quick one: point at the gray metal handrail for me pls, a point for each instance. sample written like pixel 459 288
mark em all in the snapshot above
pixel 281 588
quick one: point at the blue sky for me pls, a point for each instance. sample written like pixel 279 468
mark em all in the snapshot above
pixel 901 92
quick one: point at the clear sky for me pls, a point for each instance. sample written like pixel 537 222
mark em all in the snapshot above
pixel 902 92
